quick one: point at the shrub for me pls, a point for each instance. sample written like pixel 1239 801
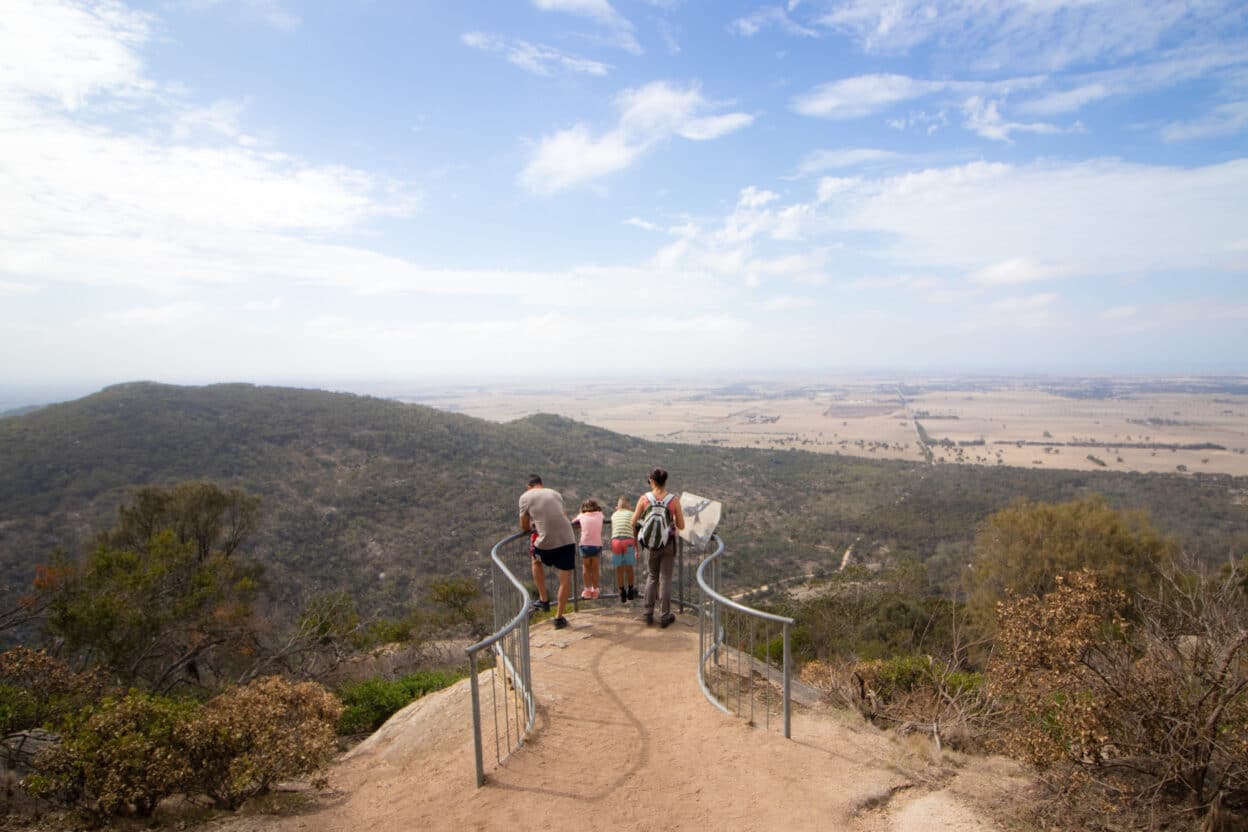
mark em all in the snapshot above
pixel 1139 706
pixel 922 693
pixel 37 689
pixel 123 756
pixel 251 737
pixel 370 703
pixel 120 756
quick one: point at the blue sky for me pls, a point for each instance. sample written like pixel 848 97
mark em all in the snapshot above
pixel 264 190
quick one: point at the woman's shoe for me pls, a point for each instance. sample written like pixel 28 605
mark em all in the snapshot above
pixel 585 593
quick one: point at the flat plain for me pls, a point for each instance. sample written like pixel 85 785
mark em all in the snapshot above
pixel 1174 425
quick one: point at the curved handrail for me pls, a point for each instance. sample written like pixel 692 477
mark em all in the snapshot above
pixel 710 638
pixel 490 641
pixel 511 653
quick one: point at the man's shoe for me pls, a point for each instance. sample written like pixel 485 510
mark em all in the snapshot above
pixel 623 595
pixel 648 618
pixel 560 623
pixel 539 605
pixel 667 620
pixel 632 593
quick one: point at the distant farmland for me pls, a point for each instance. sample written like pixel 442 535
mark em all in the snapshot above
pixel 1175 425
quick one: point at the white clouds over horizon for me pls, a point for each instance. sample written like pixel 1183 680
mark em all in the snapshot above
pixel 648 116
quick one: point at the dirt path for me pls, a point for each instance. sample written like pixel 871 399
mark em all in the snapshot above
pixel 626 740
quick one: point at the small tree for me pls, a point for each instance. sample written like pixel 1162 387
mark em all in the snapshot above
pixel 152 614
pixel 464 603
pixel 1020 550
pixel 199 513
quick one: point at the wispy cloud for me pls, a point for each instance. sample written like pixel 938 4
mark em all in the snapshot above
pixel 648 116
pixel 1224 120
pixel 533 57
pixel 166 315
pixel 271 12
pixel 819 161
pixel 983 118
pixel 1118 313
pixel 862 95
pixel 1044 36
pixel 1014 271
pixel 769 17
pixel 602 12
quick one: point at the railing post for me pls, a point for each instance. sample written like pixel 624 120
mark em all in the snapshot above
pixel 788 683
pixel 476 719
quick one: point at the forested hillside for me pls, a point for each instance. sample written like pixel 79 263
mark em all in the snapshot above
pixel 379 498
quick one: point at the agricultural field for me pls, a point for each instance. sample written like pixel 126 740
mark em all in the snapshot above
pixel 1151 425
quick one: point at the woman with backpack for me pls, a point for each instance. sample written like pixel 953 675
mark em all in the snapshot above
pixel 656 520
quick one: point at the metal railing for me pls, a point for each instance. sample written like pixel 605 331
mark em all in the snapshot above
pixel 737 652
pixel 510 696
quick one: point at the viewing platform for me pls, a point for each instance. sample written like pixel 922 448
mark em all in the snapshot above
pixel 623 738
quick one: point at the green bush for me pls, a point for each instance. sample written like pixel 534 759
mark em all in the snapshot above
pixel 370 703
pixel 120 756
pixel 123 756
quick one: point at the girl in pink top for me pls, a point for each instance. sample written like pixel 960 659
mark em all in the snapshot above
pixel 590 523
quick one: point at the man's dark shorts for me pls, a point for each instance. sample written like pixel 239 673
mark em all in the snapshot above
pixel 560 557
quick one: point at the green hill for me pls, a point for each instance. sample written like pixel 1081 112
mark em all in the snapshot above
pixel 379 497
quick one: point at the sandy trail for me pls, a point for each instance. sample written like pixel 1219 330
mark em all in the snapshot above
pixel 624 740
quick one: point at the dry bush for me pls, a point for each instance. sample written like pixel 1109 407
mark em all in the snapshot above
pixel 1134 709
pixel 249 738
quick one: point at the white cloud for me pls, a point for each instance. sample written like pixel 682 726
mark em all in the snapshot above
pixel 770 16
pixel 1224 120
pixel 1118 313
pixel 166 315
pixel 220 118
pixel 1046 36
pixel 271 305
pixel 983 119
pixel 603 13
pixel 786 303
pixel 11 288
pixel 71 52
pixel 644 225
pixel 861 95
pixel 1098 217
pixel 271 12
pixel 648 116
pixel 1012 272
pixel 821 160
pixel 1066 101
pixel 532 57
pixel 988 226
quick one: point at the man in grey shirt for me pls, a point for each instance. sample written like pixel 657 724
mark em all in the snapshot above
pixel 541 510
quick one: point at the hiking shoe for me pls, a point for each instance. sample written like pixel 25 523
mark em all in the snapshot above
pixel 667 620
pixel 560 623
pixel 539 605
pixel 648 618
